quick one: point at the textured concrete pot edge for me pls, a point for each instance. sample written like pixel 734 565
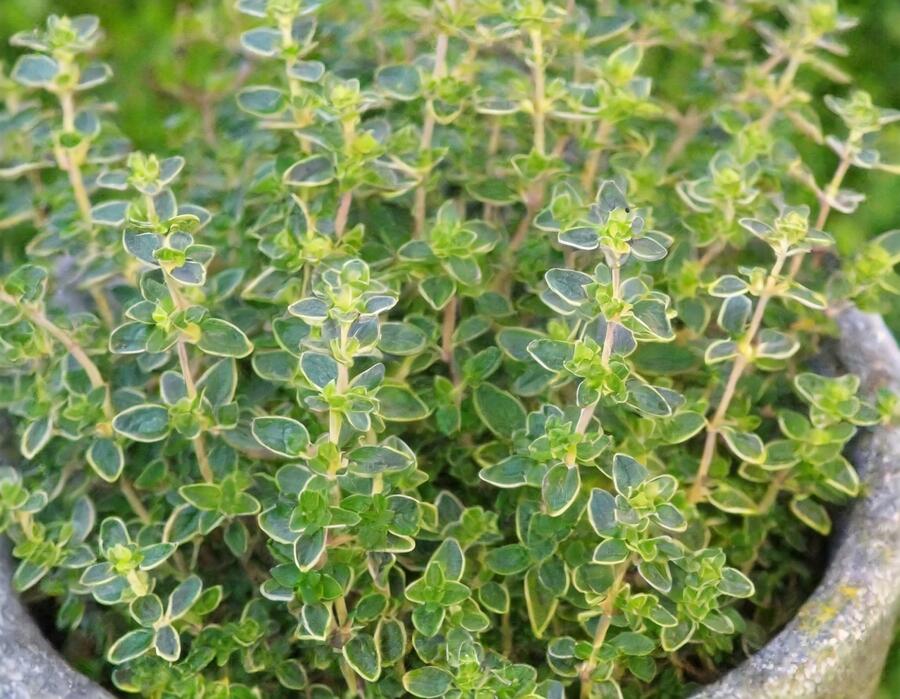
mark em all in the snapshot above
pixel 833 649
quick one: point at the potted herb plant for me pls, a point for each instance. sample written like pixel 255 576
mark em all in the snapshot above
pixel 456 349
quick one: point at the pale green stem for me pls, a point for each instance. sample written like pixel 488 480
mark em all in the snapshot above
pixel 737 370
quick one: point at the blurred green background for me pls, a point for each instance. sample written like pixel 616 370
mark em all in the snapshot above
pixel 138 36
pixel 141 46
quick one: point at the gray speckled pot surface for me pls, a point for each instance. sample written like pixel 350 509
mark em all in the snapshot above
pixel 833 649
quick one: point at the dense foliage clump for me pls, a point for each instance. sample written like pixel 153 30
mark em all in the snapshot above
pixel 462 350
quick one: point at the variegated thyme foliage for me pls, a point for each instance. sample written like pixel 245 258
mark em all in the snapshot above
pixel 462 349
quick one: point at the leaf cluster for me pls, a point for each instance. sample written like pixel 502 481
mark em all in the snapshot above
pixel 455 352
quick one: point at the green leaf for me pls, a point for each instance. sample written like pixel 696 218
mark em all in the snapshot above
pixel 718 623
pixel 427 682
pixel 316 620
pixel 130 338
pixel 261 101
pixel 610 552
pixel 669 517
pixel 222 339
pixel 681 426
pixel 306 71
pixel 551 354
pixel 361 653
pixel 580 238
pixel 720 351
pixel 729 499
pixel 745 445
pixel 437 291
pixel 28 574
pixel 494 597
pixel 203 496
pixel 113 532
pixel 143 423
pixel 107 459
pixel 451 558
pixel 734 314
pixel 806 297
pixel 508 560
pixel 515 342
pixel 492 190
pixel 373 460
pixel 309 548
pixel 110 213
pixel 310 310
pixel 291 674
pixel 812 514
pixel 132 645
pixel 240 505
pixel 319 369
pixel 840 475
pixel 9 314
pixel 262 41
pixel 400 404
pixel 427 619
pixel 674 637
pixel 390 636
pixel 631 643
pixel 183 597
pixel 652 319
pixel 481 365
pixel 569 284
pixel 167 643
pixel 560 488
pixel 236 536
pixel 35 70
pixel 602 511
pixel 402 81
pixel 36 436
pixel 627 473
pixel 657 574
pixel 540 602
pixel 281 435
pixel 315 171
pixel 500 411
pixel 667 359
pixel 219 383
pixel 146 610
pixel 773 344
pixel 155 555
pixel 735 584
pixel 621 66
pixel 512 472
pixel 470 328
pixel 402 339
pixel 97 574
pixel 728 285
pixel 647 399
pixel 27 283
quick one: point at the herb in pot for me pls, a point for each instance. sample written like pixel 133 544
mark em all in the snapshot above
pixel 460 349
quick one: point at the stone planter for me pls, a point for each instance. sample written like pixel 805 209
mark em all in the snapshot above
pixel 833 649
pixel 836 645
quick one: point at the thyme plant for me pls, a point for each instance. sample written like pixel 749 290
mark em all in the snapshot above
pixel 481 365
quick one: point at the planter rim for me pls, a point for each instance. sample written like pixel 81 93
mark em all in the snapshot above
pixel 833 648
pixel 836 644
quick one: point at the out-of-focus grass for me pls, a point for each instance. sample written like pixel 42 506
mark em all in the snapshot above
pixel 890 680
pixel 874 63
pixel 138 36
